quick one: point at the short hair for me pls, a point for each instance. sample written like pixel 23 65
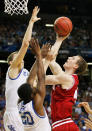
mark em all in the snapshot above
pixel 82 66
pixel 25 92
pixel 10 57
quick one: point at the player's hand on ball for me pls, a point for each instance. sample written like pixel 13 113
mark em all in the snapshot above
pixel 62 38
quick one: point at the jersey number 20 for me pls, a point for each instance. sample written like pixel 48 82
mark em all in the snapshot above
pixel 27 118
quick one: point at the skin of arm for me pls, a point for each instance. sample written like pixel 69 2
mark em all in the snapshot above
pixel 33 72
pixel 55 68
pixel 46 61
pixel 41 91
pixel 88 123
pixel 86 107
pixel 16 64
pixel 55 48
pixel 59 76
pixel 64 79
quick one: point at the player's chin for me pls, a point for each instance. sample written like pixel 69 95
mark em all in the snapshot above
pixel 64 65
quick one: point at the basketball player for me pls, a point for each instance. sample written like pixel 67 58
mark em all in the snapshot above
pixel 64 95
pixel 31 108
pixel 64 92
pixel 16 76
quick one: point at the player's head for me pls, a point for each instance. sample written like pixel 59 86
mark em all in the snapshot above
pixel 11 57
pixel 77 64
pixel 26 93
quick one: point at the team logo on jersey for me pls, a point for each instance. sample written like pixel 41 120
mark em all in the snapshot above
pixel 11 128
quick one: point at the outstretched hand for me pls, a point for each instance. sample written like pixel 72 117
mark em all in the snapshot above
pixel 86 106
pixel 34 17
pixel 45 49
pixel 35 48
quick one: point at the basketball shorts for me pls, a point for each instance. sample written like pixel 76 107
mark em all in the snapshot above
pixel 12 121
pixel 65 125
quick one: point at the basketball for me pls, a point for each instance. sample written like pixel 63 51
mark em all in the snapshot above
pixel 63 26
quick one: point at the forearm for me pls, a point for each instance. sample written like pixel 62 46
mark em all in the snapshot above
pixel 32 74
pixel 45 64
pixel 40 69
pixel 55 48
pixel 55 67
pixel 89 111
pixel 28 33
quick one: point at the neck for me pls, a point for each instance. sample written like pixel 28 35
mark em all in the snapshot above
pixel 70 72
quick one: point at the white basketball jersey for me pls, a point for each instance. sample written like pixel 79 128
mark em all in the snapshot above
pixel 31 120
pixel 12 86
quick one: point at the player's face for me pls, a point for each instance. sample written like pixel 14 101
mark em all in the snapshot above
pixel 71 62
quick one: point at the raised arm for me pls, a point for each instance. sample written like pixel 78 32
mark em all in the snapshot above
pixel 55 48
pixel 62 78
pixel 39 98
pixel 26 39
pixel 32 79
pixel 55 68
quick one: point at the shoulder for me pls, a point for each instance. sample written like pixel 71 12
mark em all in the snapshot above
pixel 25 70
pixel 75 77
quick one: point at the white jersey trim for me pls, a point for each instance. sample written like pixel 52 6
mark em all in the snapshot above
pixel 61 122
pixel 17 76
pixel 37 113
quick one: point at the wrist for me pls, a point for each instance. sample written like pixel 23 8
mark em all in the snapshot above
pixel 31 22
pixel 59 40
pixel 39 56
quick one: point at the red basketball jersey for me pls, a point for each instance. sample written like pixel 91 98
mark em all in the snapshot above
pixel 62 101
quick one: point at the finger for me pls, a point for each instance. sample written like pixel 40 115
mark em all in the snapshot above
pixel 86 120
pixel 38 19
pixel 88 124
pixel 38 9
pixel 90 118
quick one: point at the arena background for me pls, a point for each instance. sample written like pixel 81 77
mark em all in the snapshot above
pixel 12 29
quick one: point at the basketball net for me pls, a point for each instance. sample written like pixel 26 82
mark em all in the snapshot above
pixel 16 7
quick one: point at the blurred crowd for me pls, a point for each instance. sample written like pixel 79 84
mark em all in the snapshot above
pixel 80 37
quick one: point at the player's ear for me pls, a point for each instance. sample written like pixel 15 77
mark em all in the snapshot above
pixel 76 66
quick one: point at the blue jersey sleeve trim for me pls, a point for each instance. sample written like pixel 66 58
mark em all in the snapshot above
pixel 36 112
pixel 17 76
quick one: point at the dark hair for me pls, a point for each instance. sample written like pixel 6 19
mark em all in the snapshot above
pixel 25 93
pixel 82 66
pixel 10 57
